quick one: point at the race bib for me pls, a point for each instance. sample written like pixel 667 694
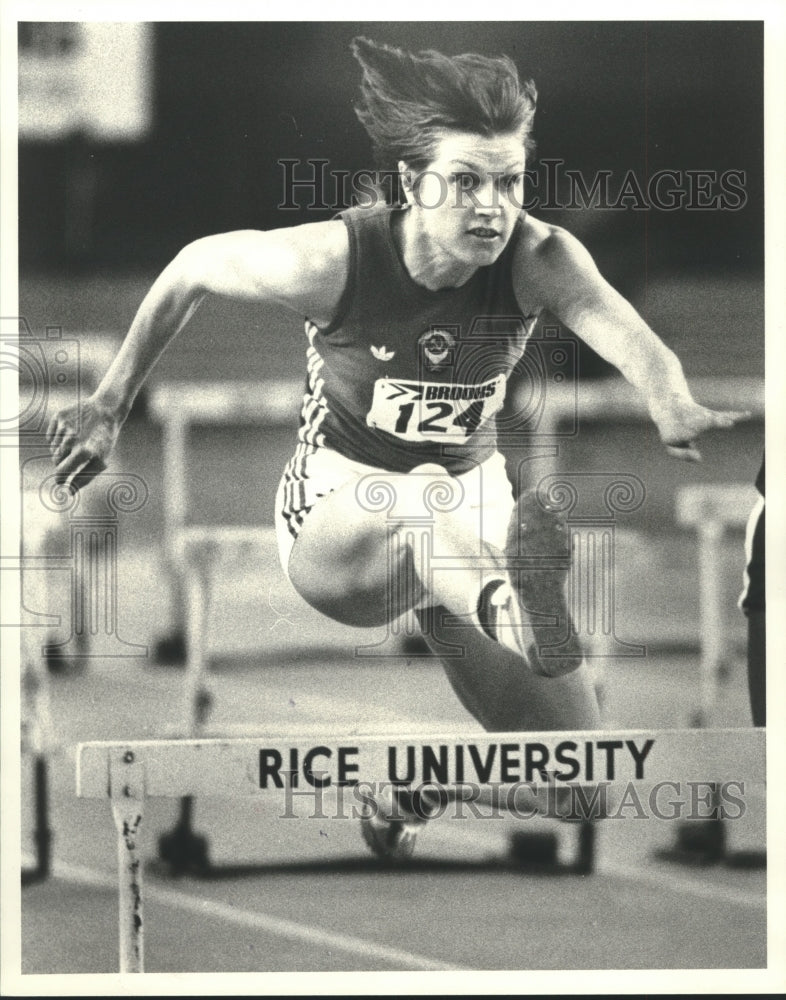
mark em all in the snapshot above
pixel 434 411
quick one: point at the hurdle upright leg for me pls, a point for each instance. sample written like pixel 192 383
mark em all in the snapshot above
pixel 37 728
pixel 711 620
pixel 199 559
pixel 37 741
pixel 127 796
pixel 182 848
pixel 170 647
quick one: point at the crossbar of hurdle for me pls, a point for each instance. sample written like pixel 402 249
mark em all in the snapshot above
pixel 128 773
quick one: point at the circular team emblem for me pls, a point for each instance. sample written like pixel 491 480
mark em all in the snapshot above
pixel 436 347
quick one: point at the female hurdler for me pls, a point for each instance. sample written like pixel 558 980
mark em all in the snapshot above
pixel 398 302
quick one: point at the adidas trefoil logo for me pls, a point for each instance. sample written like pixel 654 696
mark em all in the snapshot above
pixel 382 353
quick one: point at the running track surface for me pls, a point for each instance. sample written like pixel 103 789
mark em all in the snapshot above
pixel 310 898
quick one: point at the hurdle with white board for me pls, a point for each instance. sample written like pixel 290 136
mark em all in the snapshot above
pixel 711 510
pixel 130 772
pixel 203 552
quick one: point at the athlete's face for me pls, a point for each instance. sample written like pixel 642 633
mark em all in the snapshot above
pixel 470 195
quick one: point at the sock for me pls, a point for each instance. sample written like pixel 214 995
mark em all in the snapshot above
pixel 486 614
pixel 499 617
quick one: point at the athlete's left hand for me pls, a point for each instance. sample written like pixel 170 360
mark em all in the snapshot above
pixel 680 420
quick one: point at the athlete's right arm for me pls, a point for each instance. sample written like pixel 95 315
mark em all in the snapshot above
pixel 303 268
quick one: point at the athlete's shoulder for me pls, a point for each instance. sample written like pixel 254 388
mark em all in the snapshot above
pixel 545 243
pixel 319 245
pixel 548 261
pixel 327 246
pixel 376 211
pixel 317 259
pixel 297 250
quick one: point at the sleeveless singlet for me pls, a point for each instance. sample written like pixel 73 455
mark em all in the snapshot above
pixel 404 375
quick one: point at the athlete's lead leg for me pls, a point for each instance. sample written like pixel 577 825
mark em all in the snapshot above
pixel 364 565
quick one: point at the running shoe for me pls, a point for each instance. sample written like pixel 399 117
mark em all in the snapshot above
pixel 540 534
pixel 391 822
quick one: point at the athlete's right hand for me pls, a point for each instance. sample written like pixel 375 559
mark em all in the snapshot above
pixel 80 439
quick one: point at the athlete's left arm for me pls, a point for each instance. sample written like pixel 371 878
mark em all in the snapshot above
pixel 570 286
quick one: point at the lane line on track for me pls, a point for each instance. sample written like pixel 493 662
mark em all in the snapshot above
pixel 277 926
pixel 657 879
pixel 679 884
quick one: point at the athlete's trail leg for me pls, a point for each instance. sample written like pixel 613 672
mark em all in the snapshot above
pixel 499 690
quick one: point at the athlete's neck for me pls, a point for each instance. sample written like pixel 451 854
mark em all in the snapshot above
pixel 427 263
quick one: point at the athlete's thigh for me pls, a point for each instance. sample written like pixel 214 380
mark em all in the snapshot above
pixel 348 563
pixel 499 690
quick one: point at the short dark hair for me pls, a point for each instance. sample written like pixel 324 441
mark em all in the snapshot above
pixel 409 97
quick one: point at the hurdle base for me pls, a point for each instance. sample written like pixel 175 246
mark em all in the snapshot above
pixel 67 659
pixel 42 834
pixel 700 843
pixel 747 859
pixel 585 856
pixel 41 871
pixel 183 851
pixel 33 876
pixel 704 843
pixel 415 645
pixel 170 650
pixel 539 852
pixel 534 852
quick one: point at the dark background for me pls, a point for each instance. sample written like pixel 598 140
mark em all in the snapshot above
pixel 231 99
pixel 99 221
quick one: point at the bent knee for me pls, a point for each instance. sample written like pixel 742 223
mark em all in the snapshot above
pixel 352 600
pixel 369 584
pixel 364 567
